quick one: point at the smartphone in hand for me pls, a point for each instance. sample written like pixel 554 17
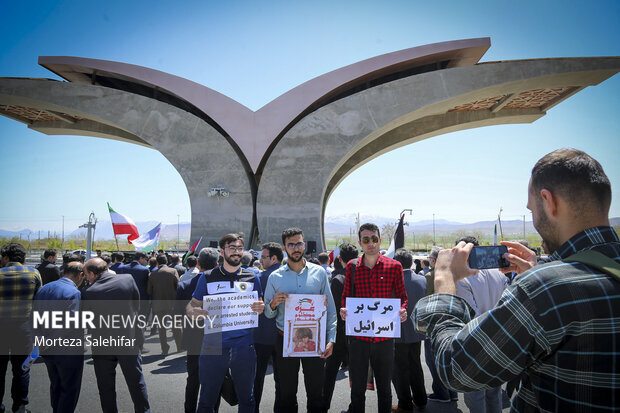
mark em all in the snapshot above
pixel 488 257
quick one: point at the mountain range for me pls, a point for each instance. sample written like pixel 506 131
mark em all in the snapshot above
pixel 334 226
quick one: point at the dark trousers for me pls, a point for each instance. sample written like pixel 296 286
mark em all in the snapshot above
pixel 192 387
pixel 20 382
pixel 408 376
pixel 332 365
pixel 263 353
pixel 131 366
pixel 288 369
pixel 15 345
pixel 241 361
pixel 439 390
pixel 65 373
pixel 176 333
pixel 381 358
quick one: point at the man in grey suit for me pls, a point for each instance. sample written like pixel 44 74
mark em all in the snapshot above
pixel 162 287
pixel 121 288
pixel 408 376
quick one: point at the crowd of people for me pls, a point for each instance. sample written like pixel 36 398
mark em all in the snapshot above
pixel 549 330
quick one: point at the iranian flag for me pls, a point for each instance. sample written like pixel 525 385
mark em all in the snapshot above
pixel 122 224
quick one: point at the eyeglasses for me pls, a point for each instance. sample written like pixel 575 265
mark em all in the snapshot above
pixel 367 240
pixel 232 248
pixel 292 246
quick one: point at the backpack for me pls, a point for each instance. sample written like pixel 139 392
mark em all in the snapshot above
pixel 596 260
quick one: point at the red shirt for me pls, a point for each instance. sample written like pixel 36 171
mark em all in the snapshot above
pixel 384 280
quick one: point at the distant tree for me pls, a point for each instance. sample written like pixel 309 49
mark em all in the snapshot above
pixel 388 231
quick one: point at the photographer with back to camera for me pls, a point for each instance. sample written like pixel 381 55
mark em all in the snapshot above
pixel 558 324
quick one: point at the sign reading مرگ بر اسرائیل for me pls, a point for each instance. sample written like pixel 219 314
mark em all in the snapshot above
pixel 304 325
pixel 227 312
pixel 373 317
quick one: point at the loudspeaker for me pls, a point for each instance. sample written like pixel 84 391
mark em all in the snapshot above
pixel 311 248
pixel 213 244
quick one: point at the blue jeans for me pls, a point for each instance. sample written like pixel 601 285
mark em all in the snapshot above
pixel 212 368
pixel 484 401
pixel 439 389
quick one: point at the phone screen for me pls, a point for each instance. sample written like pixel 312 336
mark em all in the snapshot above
pixel 488 257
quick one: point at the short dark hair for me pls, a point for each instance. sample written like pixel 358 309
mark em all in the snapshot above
pixel 576 177
pixel 162 259
pixel 152 261
pixel 274 249
pixel 106 258
pixel 118 256
pixel 65 257
pixel 138 255
pixel 403 255
pixel 348 252
pixel 50 252
pixel 426 262
pixel 191 261
pixel 208 258
pixel 97 266
pixel 369 226
pixel 323 258
pixel 468 240
pixel 174 259
pixel 73 269
pixel 15 252
pixel 291 232
pixel 228 238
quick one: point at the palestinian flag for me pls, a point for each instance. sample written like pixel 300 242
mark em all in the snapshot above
pixel 399 238
pixel 191 251
pixel 122 224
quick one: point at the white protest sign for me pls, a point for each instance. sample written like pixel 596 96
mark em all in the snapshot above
pixel 373 317
pixel 304 325
pixel 229 312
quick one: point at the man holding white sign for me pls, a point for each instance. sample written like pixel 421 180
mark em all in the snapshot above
pixel 299 277
pixel 229 294
pixel 374 279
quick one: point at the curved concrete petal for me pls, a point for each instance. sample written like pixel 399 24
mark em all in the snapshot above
pixel 255 133
pixel 200 154
pixel 325 146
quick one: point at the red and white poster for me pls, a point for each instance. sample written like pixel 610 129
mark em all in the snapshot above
pixel 304 325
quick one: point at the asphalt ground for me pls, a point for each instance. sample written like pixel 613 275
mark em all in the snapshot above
pixel 165 380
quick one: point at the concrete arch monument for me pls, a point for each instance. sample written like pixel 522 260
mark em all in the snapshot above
pixel 290 155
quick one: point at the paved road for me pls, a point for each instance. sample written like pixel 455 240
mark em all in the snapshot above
pixel 165 380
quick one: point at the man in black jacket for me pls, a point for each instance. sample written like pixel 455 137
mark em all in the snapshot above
pixel 340 354
pixel 48 269
pixel 124 341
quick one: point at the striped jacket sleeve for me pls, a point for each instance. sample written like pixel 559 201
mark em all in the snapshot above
pixel 483 352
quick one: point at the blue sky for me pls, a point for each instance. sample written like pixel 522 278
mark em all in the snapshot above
pixel 253 52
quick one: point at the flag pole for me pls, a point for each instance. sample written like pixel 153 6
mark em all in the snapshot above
pixel 116 239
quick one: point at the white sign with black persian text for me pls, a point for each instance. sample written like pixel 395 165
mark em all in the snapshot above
pixel 373 317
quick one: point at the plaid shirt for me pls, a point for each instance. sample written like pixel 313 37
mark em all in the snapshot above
pixel 384 280
pixel 18 285
pixel 557 326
